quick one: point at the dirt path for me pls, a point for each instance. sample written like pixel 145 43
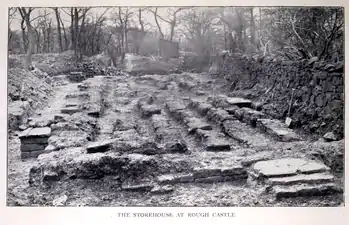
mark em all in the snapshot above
pixel 197 135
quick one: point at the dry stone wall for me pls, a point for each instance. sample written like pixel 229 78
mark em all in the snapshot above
pixel 318 89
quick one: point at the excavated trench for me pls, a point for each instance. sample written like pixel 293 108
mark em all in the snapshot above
pixel 167 140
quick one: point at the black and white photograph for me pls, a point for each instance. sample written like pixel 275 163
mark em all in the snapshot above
pixel 183 106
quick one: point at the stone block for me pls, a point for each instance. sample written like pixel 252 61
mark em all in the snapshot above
pixel 219 116
pixel 149 110
pixel 288 167
pixel 206 172
pixel 32 147
pixel 194 123
pixel 231 171
pixel 175 178
pixel 211 180
pixel 305 190
pixel 162 189
pixel 32 154
pixel 159 121
pixel 43 140
pixel 138 188
pixel 100 146
pixel 277 129
pixel 240 102
pixel 40 132
pixel 315 178
pixel 70 110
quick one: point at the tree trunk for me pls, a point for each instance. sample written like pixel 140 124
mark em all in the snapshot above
pixel 253 41
pixel 24 37
pixel 59 30
pixel 28 56
pixel 49 38
pixel 157 23
pixel 72 33
pixel 76 31
pixel 66 41
pixel 37 41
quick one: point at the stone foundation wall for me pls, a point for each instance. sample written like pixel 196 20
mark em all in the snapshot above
pixel 318 96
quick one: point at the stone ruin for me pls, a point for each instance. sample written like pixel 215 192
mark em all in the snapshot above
pixel 34 141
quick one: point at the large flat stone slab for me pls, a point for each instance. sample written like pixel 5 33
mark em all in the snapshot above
pixel 277 129
pixel 315 178
pixel 39 132
pixel 241 102
pixel 287 167
pixel 305 190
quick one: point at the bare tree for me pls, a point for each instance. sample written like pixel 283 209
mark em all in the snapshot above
pixel 25 13
pixel 172 21
pixel 59 29
pixel 123 19
pixel 11 14
pixel 253 30
pixel 155 13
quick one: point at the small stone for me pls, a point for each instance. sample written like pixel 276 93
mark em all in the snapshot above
pixel 313 60
pixel 257 106
pixel 330 136
pixel 99 146
pixel 22 127
pixel 60 201
pixel 59 118
pixel 162 189
pixel 50 148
